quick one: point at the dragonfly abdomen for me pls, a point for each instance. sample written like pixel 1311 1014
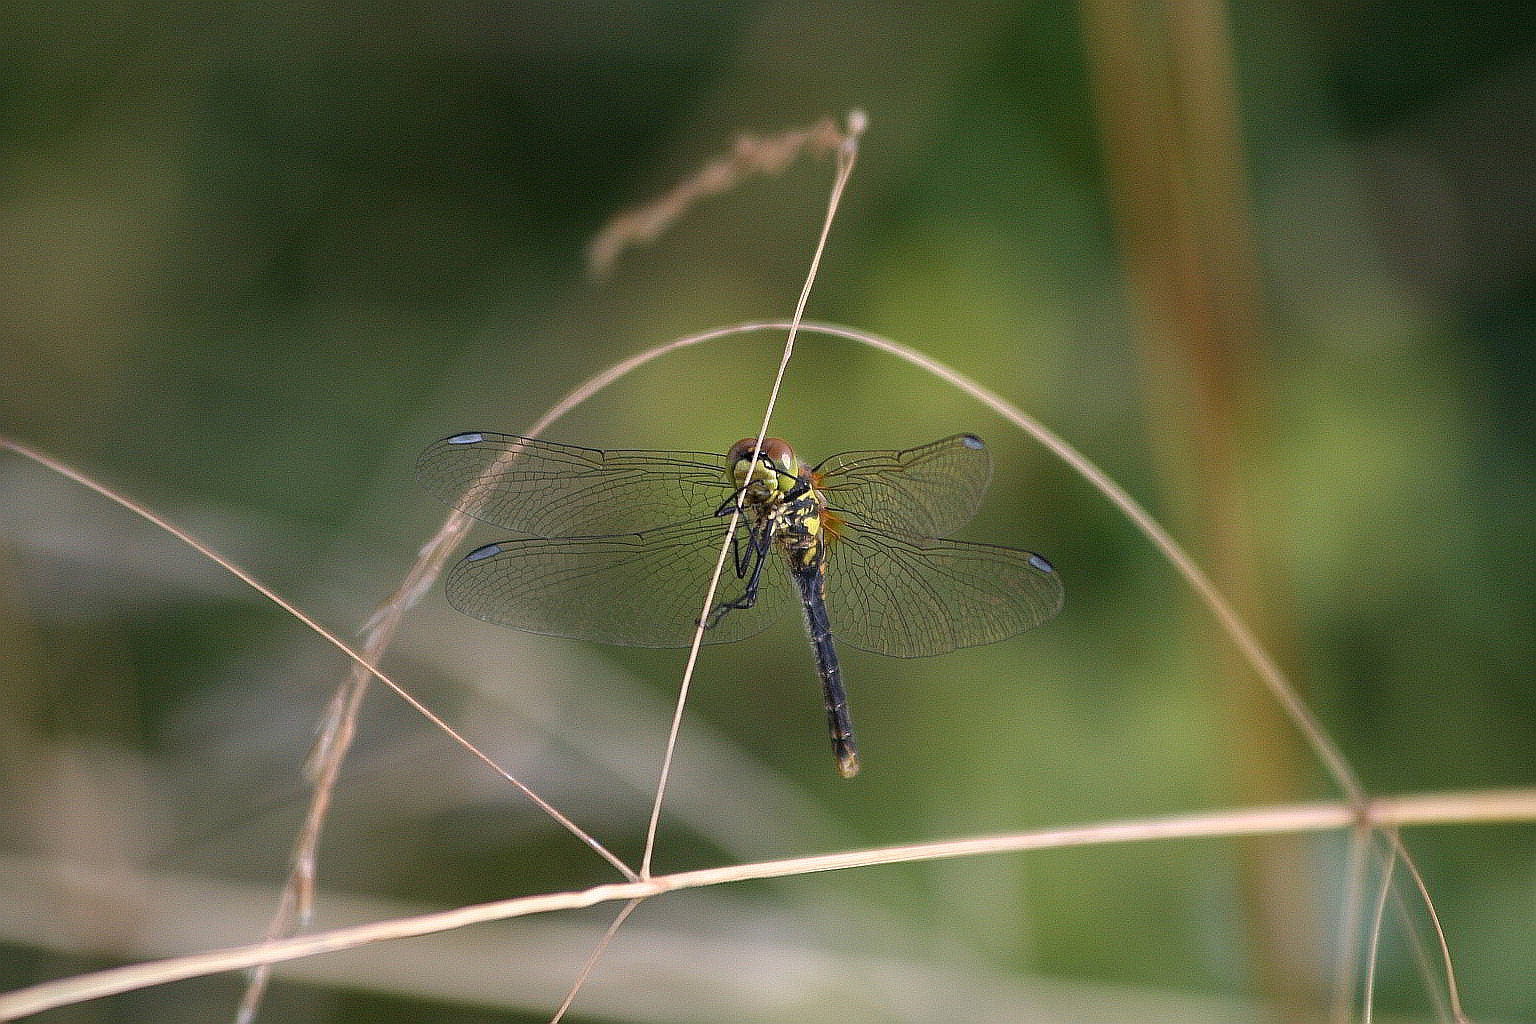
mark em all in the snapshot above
pixel 810 579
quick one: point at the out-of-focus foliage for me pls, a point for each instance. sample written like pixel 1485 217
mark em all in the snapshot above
pixel 254 257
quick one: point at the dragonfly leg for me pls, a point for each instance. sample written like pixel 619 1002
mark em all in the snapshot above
pixel 741 555
pixel 755 555
pixel 729 504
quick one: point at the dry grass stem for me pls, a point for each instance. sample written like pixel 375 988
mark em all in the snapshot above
pixel 1442 943
pixel 847 156
pixel 597 954
pixel 1384 891
pixel 750 155
pixel 1483 807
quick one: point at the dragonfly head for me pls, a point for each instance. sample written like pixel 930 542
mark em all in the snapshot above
pixel 777 467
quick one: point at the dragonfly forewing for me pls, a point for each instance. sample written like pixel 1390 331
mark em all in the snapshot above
pixel 927 491
pixel 545 489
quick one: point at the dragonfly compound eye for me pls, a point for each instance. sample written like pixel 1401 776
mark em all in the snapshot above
pixel 741 451
pixel 778 453
pixel 774 458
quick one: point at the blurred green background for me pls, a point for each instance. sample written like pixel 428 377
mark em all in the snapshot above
pixel 253 258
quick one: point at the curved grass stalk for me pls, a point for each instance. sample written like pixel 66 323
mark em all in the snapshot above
pixel 1210 595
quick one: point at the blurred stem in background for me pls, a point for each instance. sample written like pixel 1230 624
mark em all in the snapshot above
pixel 1162 77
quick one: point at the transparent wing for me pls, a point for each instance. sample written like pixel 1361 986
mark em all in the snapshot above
pixel 635 590
pixel 925 492
pixel 559 490
pixel 912 597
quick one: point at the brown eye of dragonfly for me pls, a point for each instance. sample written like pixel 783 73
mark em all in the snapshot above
pixel 741 450
pixel 775 453
pixel 779 452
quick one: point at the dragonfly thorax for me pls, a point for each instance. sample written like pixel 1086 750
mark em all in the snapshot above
pixel 780 499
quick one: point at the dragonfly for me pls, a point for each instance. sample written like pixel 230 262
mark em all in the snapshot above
pixel 618 547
